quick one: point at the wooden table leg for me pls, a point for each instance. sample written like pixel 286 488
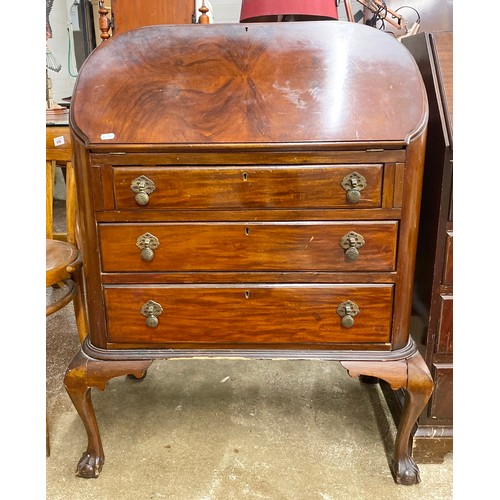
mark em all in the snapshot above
pixel 83 374
pixel 412 375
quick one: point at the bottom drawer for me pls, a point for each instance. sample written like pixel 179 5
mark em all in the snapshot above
pixel 441 405
pixel 232 314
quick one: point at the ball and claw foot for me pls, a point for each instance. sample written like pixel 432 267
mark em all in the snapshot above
pixel 89 466
pixel 405 472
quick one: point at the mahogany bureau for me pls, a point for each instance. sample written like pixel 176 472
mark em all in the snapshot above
pixel 249 191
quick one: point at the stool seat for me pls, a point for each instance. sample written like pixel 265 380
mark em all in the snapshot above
pixel 62 258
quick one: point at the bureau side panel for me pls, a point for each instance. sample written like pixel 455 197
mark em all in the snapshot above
pixel 408 235
pixel 88 191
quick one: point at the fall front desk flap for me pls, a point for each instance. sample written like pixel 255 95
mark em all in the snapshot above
pixel 295 82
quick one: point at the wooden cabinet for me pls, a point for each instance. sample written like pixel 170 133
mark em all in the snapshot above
pixel 433 291
pixel 238 199
pixel 132 14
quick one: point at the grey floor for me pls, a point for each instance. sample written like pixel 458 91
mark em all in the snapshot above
pixel 228 429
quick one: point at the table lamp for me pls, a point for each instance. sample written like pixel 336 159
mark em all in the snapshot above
pixel 287 10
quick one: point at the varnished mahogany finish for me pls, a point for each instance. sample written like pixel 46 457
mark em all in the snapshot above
pixel 414 377
pixel 248 187
pixel 250 246
pixel 249 152
pixel 274 315
pixel 241 85
pixel 83 374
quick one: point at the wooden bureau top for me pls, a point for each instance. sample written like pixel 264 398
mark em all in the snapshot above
pixel 275 83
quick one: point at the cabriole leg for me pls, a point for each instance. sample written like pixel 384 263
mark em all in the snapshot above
pixel 418 392
pixel 83 374
pixel 412 375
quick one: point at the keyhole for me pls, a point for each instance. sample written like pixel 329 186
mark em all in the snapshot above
pixel 247 231
pixel 247 294
pixel 245 176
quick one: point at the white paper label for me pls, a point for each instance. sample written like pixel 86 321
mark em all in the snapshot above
pixel 107 137
pixel 59 141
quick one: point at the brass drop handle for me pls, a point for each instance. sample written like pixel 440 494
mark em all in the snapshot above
pixel 347 311
pixel 142 186
pixel 151 310
pixel 147 243
pixel 353 184
pixel 350 243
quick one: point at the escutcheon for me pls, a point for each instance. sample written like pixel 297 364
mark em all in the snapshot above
pixel 151 310
pixel 347 310
pixel 142 186
pixel 353 184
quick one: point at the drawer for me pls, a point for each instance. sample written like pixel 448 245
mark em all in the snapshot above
pixel 275 246
pixel 269 187
pixel 444 344
pixel 271 314
pixel 448 260
pixel 441 404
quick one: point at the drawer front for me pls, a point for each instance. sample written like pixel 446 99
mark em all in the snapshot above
pixel 448 260
pixel 306 246
pixel 441 404
pixel 445 325
pixel 254 314
pixel 271 187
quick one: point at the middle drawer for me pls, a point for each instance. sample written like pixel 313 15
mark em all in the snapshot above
pixel 232 247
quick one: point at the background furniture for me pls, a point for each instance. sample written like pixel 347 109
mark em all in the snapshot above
pixel 433 292
pixel 63 258
pixel 128 15
pixel 240 198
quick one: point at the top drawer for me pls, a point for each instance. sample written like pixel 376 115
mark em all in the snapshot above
pixel 269 187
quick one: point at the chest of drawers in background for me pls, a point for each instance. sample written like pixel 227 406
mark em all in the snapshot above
pixel 433 290
pixel 251 191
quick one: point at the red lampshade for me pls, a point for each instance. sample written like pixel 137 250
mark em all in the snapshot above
pixel 252 9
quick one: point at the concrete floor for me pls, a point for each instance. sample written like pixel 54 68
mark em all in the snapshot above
pixel 228 429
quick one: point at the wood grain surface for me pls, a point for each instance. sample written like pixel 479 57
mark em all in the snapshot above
pixel 236 83
pixel 254 314
pixel 251 246
pixel 248 187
